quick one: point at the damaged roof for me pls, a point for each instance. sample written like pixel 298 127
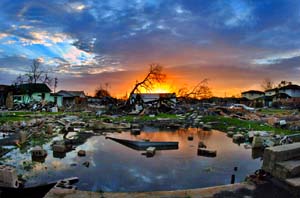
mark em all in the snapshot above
pixel 71 94
pixel 32 88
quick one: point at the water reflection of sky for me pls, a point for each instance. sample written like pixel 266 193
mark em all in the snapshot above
pixel 114 167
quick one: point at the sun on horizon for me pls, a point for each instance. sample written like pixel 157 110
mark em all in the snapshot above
pixel 159 88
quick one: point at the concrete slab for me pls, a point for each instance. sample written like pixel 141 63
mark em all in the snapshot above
pixel 191 193
pixel 290 167
pixel 273 155
pixel 294 182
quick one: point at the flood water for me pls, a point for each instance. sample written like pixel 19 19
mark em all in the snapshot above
pixel 115 167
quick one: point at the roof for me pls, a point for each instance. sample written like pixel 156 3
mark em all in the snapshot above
pixel 71 94
pixel 253 92
pixel 295 87
pixel 274 89
pixel 4 87
pixel 55 94
pixel 32 88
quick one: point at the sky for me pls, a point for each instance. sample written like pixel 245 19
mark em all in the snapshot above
pixel 235 44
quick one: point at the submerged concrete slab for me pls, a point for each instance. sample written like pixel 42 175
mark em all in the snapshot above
pixel 191 193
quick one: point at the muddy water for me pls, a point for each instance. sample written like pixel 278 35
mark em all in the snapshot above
pixel 115 167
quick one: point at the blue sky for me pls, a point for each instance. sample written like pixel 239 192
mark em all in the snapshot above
pixel 234 43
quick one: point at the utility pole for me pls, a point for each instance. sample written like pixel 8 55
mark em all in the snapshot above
pixel 55 84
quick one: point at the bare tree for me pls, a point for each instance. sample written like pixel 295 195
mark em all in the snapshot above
pixel 266 84
pixel 20 80
pixel 200 91
pixel 36 74
pixel 154 75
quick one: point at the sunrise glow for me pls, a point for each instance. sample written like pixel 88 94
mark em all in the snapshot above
pixel 159 88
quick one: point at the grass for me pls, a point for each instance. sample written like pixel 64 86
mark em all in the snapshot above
pixel 224 122
pixel 12 119
pixel 26 115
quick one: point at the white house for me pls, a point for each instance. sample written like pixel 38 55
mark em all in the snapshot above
pixel 252 94
pixel 291 90
pixel 271 92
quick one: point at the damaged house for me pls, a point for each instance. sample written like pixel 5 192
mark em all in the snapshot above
pixel 252 94
pixel 38 92
pixel 6 96
pixel 151 97
pixel 288 95
pixel 162 102
pixel 254 97
pixel 72 97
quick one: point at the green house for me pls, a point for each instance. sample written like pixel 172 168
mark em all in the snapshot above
pixel 39 92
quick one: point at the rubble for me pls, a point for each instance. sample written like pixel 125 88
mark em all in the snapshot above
pixel 59 146
pixel 150 151
pixel 230 134
pixel 100 125
pixel 238 138
pixel 8 177
pixel 207 127
pixel 282 162
pixel 86 164
pixel 23 137
pixel 64 187
pixel 258 142
pixel 207 152
pixel 38 152
pixel 81 153
pixel 201 145
pixel 190 137
pixel 49 129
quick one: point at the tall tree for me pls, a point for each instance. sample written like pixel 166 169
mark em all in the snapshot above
pixel 35 74
pixel 155 75
pixel 266 84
